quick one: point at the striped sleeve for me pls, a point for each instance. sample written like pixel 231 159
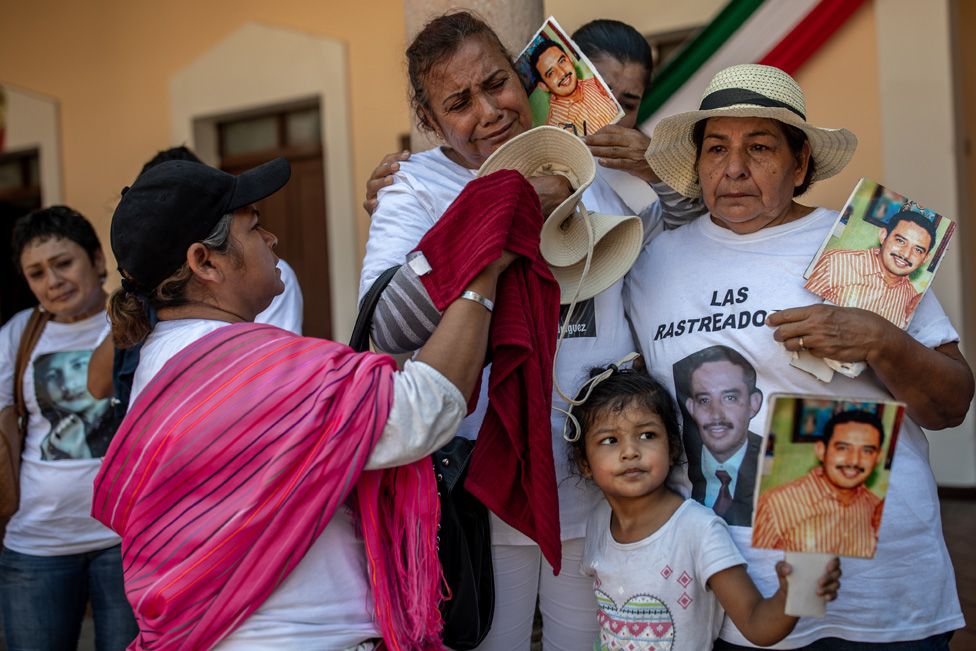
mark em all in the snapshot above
pixel 405 316
pixel 677 209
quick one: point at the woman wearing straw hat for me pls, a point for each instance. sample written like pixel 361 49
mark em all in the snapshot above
pixel 734 277
pixel 465 90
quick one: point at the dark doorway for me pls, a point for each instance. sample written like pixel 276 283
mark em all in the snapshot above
pixel 20 193
pixel 297 213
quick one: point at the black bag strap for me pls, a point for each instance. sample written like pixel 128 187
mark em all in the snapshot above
pixel 359 341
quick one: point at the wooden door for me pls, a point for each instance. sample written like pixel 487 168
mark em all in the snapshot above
pixel 296 213
pixel 20 193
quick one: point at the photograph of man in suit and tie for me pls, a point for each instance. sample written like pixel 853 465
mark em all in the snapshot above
pixel 717 392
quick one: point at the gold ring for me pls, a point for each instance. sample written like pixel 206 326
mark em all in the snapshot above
pixel 802 347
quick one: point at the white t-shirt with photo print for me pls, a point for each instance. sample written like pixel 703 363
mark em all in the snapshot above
pixel 702 285
pixel 67 433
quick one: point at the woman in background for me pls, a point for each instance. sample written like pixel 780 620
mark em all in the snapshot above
pixel 56 558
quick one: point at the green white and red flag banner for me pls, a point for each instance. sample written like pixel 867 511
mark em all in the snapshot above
pixel 781 33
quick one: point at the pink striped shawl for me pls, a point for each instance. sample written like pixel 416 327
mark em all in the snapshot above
pixel 229 466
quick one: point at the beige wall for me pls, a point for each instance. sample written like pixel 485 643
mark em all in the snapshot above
pixel 840 93
pixel 32 123
pixel 960 451
pixel 646 16
pixel 203 92
pixel 109 63
pixel 964 19
pixel 918 118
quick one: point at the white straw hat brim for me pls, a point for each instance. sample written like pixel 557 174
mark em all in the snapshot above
pixel 672 154
pixel 746 90
pixel 547 150
pixel 565 242
pixel 617 243
pixel 564 239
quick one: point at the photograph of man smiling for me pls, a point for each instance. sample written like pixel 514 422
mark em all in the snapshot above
pixel 881 255
pixel 836 506
pixel 878 279
pixel 717 392
pixel 566 91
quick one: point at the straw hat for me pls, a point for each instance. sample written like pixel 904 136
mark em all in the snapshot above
pixel 550 150
pixel 746 90
pixel 571 234
pixel 617 245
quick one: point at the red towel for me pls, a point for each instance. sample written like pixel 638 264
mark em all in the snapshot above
pixel 512 470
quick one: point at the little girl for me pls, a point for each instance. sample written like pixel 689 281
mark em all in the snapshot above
pixel 664 568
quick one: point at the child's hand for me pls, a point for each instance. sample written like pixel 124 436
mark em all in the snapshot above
pixel 827 586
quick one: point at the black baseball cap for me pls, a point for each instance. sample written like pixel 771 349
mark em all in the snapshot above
pixel 177 203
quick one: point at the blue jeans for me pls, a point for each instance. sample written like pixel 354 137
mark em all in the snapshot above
pixel 44 597
pixel 938 642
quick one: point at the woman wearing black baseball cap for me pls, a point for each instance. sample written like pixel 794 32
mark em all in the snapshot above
pixel 251 457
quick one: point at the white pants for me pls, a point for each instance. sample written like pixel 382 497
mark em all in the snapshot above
pixel 566 601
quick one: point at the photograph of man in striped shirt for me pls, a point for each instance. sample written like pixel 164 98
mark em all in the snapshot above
pixel 878 279
pixel 582 106
pixel 829 509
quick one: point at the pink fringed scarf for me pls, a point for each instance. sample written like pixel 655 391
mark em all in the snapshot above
pixel 229 466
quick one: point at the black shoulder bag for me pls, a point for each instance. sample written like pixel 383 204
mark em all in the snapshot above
pixel 464 540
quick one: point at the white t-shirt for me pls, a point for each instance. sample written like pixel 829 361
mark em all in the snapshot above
pixel 326 602
pixel 653 593
pixel 703 285
pixel 424 188
pixel 68 432
pixel 287 307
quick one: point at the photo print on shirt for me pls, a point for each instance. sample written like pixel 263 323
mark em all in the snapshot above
pixel 583 323
pixel 716 391
pixel 81 425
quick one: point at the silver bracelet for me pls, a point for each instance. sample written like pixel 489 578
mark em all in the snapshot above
pixel 478 298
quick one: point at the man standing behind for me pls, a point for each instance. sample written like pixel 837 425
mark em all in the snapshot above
pixel 829 509
pixel 580 105
pixel 718 388
pixel 877 279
